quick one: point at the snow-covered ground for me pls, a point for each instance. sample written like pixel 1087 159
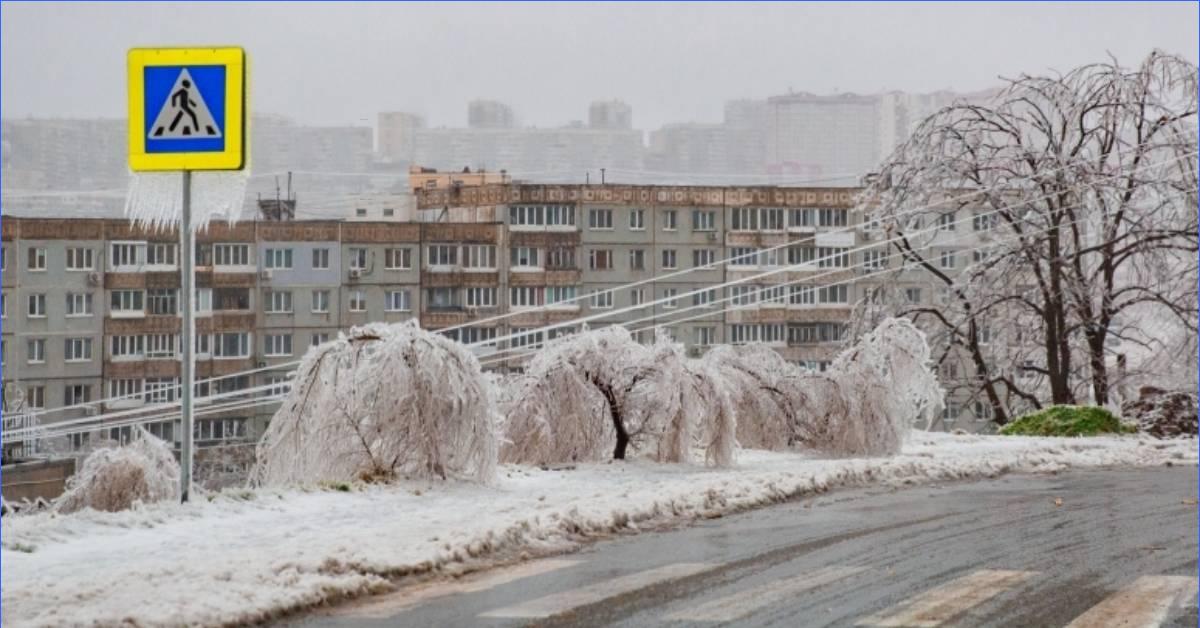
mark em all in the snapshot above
pixel 243 556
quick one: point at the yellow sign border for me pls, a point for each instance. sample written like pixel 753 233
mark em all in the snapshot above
pixel 233 157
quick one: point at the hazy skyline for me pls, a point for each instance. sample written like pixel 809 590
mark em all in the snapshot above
pixel 341 64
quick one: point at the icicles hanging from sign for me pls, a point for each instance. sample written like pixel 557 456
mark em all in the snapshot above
pixel 154 200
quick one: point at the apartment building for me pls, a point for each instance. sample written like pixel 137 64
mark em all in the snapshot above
pixel 90 307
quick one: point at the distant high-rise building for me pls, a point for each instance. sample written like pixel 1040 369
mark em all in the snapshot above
pixel 829 139
pixel 610 114
pixel 64 154
pixel 490 114
pixel 278 144
pixel 395 135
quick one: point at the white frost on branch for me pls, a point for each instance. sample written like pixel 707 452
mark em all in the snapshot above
pixel 382 401
pixel 115 478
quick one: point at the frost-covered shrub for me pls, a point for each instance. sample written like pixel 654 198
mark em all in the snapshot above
pixel 752 376
pixel 115 478
pixel 886 385
pixel 382 401
pixel 1067 421
pixel 600 394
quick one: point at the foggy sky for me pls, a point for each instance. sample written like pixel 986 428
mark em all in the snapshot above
pixel 341 64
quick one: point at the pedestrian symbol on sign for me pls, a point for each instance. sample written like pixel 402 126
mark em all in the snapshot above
pixel 184 115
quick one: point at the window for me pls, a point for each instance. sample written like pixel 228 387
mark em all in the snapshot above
pixel 443 255
pixel 798 254
pixel 744 219
pixel 3 258
pixel 833 257
pixel 560 258
pixel 35 397
pixel 980 255
pixel 525 296
pixel 523 257
pixel 774 294
pixel 231 254
pixel 232 298
pixel 479 256
pixel 704 220
pixel 232 345
pixel 358 258
pixel 600 219
pixel 912 295
pixel 950 370
pixel 744 295
pixel 360 212
pixel 320 259
pixel 983 411
pixel 812 333
pixel 637 219
pixel 946 221
pixel 125 255
pixel 279 384
pixel 802 295
pixel 832 294
pixel 203 300
pixel 277 345
pixel 525 337
pixel 162 302
pixel 77 349
pixel 76 394
pixel 397 259
pixel 671 301
pixel 37 306
pixel 704 336
pixel 742 334
pixel 160 389
pixel 947 259
pixel 442 298
pixel 320 301
pixel 203 344
pixel 831 218
pixel 278 259
pixel 389 212
pixel 669 260
pixel 771 219
pixel 79 259
pixel 600 259
pixel 318 338
pixel 985 334
pixel 602 299
pixel 204 254
pixel 743 256
pixel 704 298
pixel 399 301
pixel 481 297
pixel 358 301
pixel 637 259
pixel 670 220
pixel 37 258
pixel 479 335
pixel 36 350
pixel 124 388
pixel 560 295
pixel 220 429
pixel 637 296
pixel 951 411
pixel 535 215
pixel 160 254
pixel 800 217
pixel 278 302
pixel 161 346
pixel 983 222
pixel 874 260
pixel 704 257
pixel 127 347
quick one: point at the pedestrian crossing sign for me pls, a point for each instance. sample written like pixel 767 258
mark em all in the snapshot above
pixel 187 108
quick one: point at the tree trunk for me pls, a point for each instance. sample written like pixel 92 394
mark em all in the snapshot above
pixel 1095 341
pixel 614 412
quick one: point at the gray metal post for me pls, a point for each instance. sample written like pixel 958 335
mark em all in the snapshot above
pixel 187 294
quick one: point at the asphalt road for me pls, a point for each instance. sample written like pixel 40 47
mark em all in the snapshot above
pixel 1119 549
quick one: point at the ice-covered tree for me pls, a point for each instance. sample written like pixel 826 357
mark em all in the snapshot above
pixel 1082 188
pixel 115 478
pixel 382 401
pixel 753 377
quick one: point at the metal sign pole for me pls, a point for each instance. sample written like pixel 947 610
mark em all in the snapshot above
pixel 187 336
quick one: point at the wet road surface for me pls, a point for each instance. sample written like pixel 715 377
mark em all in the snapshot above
pixel 1079 549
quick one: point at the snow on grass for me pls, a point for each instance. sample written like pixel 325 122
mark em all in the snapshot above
pixel 251 555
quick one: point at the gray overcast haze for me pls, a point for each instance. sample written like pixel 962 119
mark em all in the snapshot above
pixel 341 64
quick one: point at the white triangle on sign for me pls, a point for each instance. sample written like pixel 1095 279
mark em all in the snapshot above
pixel 184 115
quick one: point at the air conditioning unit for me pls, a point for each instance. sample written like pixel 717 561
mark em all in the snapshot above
pixel 265 275
pixel 262 365
pixel 356 273
pixel 712 236
pixel 694 352
pixel 93 279
pixel 91 410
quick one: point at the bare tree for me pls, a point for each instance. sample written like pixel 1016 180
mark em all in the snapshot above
pixel 1085 185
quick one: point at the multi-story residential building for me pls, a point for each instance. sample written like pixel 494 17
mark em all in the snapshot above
pixel 90 306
